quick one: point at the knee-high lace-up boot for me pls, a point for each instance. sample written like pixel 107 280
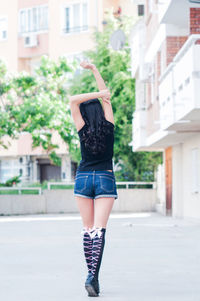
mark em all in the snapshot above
pixel 92 282
pixel 87 247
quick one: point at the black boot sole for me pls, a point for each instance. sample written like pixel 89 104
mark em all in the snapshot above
pixel 91 291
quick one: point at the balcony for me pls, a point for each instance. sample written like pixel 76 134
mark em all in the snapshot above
pixel 137 42
pixel 139 130
pixel 167 12
pixel 179 90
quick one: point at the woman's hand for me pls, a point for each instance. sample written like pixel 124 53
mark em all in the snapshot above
pixel 105 95
pixel 87 65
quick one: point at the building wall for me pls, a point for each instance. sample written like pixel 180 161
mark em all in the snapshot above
pixel 29 56
pixel 151 20
pixel 61 43
pixel 30 3
pixel 129 8
pixel 177 175
pixel 173 45
pixel 194 20
pixel 8 47
pixel 186 198
pixel 172 107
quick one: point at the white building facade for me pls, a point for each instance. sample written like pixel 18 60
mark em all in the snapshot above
pixel 166 67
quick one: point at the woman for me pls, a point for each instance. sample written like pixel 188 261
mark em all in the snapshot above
pixel 95 187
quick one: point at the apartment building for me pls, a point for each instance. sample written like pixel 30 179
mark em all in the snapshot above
pixel 30 29
pixel 166 67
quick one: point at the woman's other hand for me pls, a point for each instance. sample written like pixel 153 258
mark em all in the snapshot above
pixel 87 65
pixel 105 95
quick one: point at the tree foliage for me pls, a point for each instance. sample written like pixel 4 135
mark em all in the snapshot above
pixel 38 104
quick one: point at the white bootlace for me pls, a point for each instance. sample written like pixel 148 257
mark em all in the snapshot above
pixel 92 232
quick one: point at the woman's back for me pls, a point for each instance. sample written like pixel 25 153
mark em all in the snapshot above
pixel 101 160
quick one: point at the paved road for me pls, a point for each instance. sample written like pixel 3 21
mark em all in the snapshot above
pixel 147 257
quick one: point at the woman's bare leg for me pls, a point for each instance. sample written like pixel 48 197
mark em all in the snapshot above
pixel 86 208
pixel 103 207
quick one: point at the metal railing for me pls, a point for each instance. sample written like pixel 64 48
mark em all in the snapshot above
pixel 50 184
pixel 126 184
pixel 136 184
pixel 19 189
pixel 76 29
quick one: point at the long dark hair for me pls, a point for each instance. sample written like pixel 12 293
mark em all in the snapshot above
pixel 96 128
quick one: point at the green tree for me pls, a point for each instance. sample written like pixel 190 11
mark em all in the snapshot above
pixel 38 104
pixel 115 69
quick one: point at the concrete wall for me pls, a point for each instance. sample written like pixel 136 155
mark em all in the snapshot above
pixel 185 201
pixel 62 201
pixel 161 188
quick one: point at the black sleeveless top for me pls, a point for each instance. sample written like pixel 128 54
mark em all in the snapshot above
pixel 102 161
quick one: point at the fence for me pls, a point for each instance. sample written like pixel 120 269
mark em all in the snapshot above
pixel 19 189
pixel 62 200
pixel 126 184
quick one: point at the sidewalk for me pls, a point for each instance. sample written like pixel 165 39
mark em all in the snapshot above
pixel 147 257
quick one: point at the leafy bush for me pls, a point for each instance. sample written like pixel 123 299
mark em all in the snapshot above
pixel 10 182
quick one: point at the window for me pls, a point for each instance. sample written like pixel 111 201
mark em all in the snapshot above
pixel 8 169
pixel 195 165
pixel 141 10
pixel 85 15
pixel 76 17
pixel 23 21
pixel 33 19
pixel 67 28
pixel 3 28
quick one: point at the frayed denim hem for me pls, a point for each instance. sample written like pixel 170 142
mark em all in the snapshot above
pixel 83 196
pixel 106 196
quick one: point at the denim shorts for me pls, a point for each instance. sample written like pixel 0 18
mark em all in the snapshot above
pixel 95 184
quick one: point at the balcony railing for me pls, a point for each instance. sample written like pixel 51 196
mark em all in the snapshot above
pixel 179 87
pixel 123 184
pixel 76 29
pixel 139 129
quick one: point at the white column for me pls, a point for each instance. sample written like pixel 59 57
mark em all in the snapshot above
pixel 66 168
pixel 34 170
pixel 177 181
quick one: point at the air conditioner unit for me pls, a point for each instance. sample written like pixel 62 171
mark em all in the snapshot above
pixel 30 41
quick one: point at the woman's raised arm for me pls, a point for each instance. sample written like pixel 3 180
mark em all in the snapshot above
pixel 75 100
pixel 79 98
pixel 107 107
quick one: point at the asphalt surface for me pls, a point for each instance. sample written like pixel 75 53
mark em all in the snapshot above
pixel 147 257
